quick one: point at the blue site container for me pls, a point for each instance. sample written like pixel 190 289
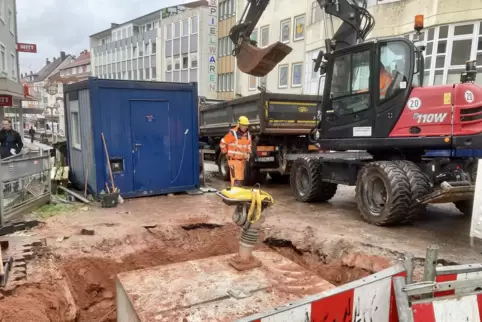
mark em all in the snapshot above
pixel 462 153
pixel 151 132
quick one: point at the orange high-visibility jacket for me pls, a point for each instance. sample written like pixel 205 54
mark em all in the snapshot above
pixel 385 81
pixel 236 144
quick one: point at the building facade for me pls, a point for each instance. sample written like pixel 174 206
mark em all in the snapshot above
pixel 48 92
pixel 129 50
pixel 11 89
pixel 188 51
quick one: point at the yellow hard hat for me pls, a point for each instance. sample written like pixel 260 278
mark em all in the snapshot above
pixel 243 120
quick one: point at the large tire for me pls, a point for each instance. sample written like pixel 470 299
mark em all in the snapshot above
pixel 277 177
pixel 465 206
pixel 253 176
pixel 419 186
pixel 306 183
pixel 223 167
pixel 383 193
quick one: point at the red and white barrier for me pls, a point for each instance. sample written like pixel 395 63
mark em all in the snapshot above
pixel 368 299
pixel 457 273
pixel 454 309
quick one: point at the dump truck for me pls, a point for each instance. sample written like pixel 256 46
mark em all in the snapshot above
pixel 279 125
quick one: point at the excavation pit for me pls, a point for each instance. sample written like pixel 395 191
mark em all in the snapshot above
pixel 210 289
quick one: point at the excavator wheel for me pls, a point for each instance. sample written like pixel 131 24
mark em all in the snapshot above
pixel 419 185
pixel 306 183
pixel 260 61
pixel 383 193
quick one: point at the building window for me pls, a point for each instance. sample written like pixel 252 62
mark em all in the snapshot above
pixel 252 83
pixel 153 73
pixel 147 70
pixel 169 32
pixel 264 36
pixel 296 74
pixel 177 63
pixel 141 74
pixel 285 31
pixel 11 20
pixel 194 26
pixel 169 65
pixel 283 76
pixel 299 28
pixel 194 61
pixel 460 51
pixel 232 81
pixel 76 130
pixel 3 58
pixel 185 62
pixel 185 27
pixel 134 52
pixel 154 48
pixel 254 35
pixel 14 66
pixel 316 12
pixel 177 29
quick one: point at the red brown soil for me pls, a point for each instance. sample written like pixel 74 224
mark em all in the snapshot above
pixel 91 280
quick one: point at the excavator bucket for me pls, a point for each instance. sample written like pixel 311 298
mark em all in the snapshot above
pixel 260 61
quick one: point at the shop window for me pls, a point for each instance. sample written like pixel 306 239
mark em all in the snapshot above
pixel 443 32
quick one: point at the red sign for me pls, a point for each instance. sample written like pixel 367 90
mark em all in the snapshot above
pixel 26 48
pixel 6 100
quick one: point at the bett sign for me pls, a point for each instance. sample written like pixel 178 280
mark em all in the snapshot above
pixel 26 48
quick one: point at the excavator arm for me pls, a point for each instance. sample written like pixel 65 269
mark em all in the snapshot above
pixel 252 60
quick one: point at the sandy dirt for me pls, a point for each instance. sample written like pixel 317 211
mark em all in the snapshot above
pixel 73 278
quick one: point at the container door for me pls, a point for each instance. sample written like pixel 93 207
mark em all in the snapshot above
pixel 150 140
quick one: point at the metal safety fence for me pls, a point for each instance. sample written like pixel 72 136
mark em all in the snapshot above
pixel 24 183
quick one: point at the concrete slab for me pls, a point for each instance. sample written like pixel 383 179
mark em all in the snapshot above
pixel 212 290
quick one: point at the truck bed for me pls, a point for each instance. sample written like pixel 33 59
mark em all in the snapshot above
pixel 268 113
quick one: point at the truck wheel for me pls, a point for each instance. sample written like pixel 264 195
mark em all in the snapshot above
pixel 306 184
pixel 383 193
pixel 223 167
pixel 419 186
pixel 465 206
pixel 253 176
pixel 277 177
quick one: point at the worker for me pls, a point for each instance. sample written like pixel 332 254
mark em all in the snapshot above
pixel 237 146
pixel 10 140
pixel 385 81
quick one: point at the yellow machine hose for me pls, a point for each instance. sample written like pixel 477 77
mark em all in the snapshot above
pixel 255 204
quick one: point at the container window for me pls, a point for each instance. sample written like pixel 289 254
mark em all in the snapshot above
pixel 117 165
pixel 76 130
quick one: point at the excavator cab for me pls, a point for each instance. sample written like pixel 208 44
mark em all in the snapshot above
pixel 365 83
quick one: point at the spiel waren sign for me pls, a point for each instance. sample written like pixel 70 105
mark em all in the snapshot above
pixel 26 48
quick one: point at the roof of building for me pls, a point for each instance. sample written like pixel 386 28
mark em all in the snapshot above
pixel 83 59
pixel 50 67
pixel 149 16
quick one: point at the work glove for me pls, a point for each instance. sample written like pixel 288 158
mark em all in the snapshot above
pixel 13 152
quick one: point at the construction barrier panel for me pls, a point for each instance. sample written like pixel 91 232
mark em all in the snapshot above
pixel 449 309
pixel 368 299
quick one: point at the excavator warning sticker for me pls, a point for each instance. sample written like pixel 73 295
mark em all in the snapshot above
pixel 414 103
pixel 469 96
pixel 447 98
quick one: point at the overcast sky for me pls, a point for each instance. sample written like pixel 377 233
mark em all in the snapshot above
pixel 65 25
